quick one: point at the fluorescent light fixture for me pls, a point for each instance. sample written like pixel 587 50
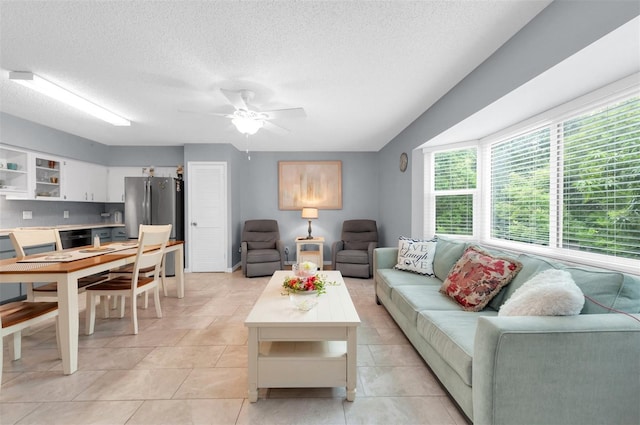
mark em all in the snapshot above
pixel 31 80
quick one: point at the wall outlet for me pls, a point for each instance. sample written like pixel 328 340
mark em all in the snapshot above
pixel 286 250
pixel 27 215
pixel 65 214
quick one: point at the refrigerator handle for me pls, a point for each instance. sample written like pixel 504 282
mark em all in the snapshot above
pixel 147 202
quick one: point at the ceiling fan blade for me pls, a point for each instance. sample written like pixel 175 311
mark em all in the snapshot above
pixel 235 98
pixel 286 113
pixel 268 125
pixel 219 114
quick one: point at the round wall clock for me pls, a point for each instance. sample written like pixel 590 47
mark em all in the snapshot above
pixel 404 161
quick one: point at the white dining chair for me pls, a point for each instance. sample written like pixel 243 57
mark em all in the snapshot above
pixel 127 271
pixel 151 245
pixel 19 315
pixel 25 239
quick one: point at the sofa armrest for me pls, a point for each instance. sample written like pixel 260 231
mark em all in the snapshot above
pixel 335 247
pixel 280 249
pixel 557 370
pixel 370 248
pixel 243 256
pixel 384 258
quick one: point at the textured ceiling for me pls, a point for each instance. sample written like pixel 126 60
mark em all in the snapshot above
pixel 362 70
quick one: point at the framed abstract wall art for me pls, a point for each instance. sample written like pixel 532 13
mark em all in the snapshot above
pixel 310 184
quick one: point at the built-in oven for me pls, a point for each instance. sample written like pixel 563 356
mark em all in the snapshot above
pixel 75 238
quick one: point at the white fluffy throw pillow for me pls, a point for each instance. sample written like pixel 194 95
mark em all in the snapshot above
pixel 549 293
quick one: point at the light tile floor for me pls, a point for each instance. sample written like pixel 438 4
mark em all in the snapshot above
pixel 190 367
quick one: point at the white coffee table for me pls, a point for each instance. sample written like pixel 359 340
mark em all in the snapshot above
pixel 290 348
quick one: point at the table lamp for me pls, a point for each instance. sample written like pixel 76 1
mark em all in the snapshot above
pixel 309 213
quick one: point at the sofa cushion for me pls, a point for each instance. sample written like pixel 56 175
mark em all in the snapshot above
pixel 447 253
pixel 416 255
pixel 386 279
pixel 613 290
pixel 352 256
pixel 263 255
pixel 531 266
pixel 451 334
pixel 549 293
pixel 477 277
pixel 411 299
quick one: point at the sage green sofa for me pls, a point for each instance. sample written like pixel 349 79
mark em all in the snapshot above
pixel 582 369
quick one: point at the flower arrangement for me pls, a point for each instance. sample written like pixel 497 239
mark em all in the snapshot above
pixel 305 269
pixel 293 284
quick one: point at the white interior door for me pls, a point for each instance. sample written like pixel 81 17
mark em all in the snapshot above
pixel 207 223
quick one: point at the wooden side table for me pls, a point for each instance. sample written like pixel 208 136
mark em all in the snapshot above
pixel 315 255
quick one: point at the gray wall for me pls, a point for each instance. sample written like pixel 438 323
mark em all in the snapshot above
pixel 29 135
pixel 253 192
pixel 360 194
pixel 559 31
pixel 32 136
pixel 48 213
pixel 159 156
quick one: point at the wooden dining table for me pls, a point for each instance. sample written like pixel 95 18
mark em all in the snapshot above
pixel 66 274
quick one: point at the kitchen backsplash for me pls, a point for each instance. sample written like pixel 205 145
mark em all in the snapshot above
pixel 51 213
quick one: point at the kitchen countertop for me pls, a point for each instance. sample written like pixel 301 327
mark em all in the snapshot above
pixel 62 227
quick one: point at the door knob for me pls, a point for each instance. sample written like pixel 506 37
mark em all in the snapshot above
pixel 194 224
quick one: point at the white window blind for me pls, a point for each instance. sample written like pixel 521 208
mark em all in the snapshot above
pixel 454 189
pixel 520 188
pixel 601 184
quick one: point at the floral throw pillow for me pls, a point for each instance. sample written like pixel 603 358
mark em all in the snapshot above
pixel 416 255
pixel 477 277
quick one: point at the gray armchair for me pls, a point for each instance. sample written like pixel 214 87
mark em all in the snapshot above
pixel 353 255
pixel 262 251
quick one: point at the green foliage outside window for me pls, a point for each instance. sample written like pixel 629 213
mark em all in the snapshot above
pixel 454 215
pixel 520 188
pixel 455 171
pixel 602 181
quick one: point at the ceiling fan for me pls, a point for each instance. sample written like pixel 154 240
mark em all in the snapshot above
pixel 248 119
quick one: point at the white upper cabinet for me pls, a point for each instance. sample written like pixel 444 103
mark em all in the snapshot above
pixel 99 183
pixel 47 176
pixel 84 181
pixel 33 175
pixel 14 172
pixel 115 181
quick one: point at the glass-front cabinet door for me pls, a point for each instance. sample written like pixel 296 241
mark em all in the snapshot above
pixel 14 176
pixel 47 177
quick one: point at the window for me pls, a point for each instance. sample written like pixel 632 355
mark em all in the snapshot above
pixel 566 185
pixel 454 188
pixel 601 180
pixel 520 188
pixel 593 162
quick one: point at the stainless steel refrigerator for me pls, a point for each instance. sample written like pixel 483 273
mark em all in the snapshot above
pixel 154 200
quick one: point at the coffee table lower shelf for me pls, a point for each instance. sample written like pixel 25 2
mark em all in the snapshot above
pixel 302 364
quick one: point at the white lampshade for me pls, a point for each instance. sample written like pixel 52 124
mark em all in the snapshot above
pixel 309 213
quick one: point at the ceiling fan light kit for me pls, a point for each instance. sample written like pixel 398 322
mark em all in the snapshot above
pixel 34 82
pixel 248 120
